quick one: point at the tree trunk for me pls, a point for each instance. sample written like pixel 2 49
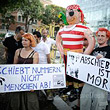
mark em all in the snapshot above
pixel 26 23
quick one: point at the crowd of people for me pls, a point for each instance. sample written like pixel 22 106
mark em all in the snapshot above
pixel 34 48
pixel 26 48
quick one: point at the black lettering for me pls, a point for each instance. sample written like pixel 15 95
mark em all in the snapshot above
pixel 105 81
pixel 107 65
pixel 102 62
pixel 97 62
pixel 108 72
pixel 98 81
pixel 88 77
pixel 88 60
pixel 92 61
pixel 82 59
pixel 101 72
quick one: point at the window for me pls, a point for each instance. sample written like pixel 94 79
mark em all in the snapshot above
pixel 32 31
pixel 19 18
pixel 35 21
pixel 3 26
pixel 108 13
pixel 22 19
pixel 96 15
pixel 23 27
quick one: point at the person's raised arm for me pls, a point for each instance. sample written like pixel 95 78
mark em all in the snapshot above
pixel 16 56
pixel 59 45
pixel 48 58
pixel 91 41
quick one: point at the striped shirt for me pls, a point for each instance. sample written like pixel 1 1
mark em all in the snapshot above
pixel 72 38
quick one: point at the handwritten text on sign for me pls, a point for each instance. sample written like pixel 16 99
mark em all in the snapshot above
pixel 27 77
pixel 89 69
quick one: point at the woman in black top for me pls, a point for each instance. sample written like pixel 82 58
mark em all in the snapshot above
pixel 26 100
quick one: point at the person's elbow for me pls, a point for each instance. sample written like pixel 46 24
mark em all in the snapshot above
pixel 48 58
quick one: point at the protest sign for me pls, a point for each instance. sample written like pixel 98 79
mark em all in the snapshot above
pixel 27 77
pixel 90 70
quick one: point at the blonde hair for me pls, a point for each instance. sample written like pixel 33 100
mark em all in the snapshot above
pixel 31 38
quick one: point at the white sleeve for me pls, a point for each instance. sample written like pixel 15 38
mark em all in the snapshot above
pixel 34 48
pixel 53 41
pixel 46 49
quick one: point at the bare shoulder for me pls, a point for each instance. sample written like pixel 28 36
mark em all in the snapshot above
pixel 36 54
pixel 17 51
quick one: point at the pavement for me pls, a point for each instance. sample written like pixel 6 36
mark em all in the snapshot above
pixel 58 103
pixel 61 104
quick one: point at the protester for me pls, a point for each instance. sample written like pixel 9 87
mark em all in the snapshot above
pixel 42 49
pixel 44 56
pixel 48 41
pixel 108 99
pixel 93 98
pixel 26 100
pixel 12 43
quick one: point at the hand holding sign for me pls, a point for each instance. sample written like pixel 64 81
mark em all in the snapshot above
pixel 90 70
pixel 99 56
pixel 29 77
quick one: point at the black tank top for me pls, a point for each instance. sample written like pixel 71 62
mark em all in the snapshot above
pixel 28 60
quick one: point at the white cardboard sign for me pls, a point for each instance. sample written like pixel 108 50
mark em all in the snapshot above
pixel 90 70
pixel 25 77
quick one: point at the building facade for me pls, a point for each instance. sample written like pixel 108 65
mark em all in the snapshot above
pixel 46 2
pixel 20 21
pixel 96 12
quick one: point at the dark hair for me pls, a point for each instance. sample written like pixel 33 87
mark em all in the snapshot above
pixel 45 30
pixel 37 33
pixel 18 29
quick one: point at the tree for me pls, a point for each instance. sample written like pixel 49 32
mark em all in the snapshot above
pixel 9 5
pixel 51 14
pixel 6 9
pixel 7 20
pixel 31 10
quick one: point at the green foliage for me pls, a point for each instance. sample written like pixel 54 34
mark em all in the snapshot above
pixel 51 14
pixel 31 10
pixel 6 9
pixel 2 35
pixel 9 5
pixel 7 19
